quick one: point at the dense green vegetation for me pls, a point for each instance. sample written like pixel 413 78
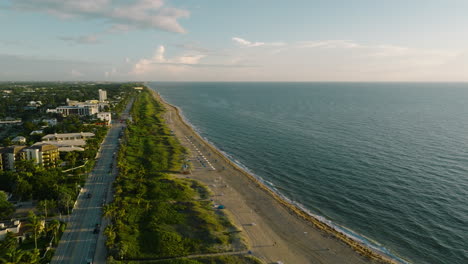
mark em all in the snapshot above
pixel 52 187
pixel 6 208
pixel 156 215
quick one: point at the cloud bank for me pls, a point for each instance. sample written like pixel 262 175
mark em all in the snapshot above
pixel 122 16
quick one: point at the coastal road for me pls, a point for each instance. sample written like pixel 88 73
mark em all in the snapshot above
pixel 79 242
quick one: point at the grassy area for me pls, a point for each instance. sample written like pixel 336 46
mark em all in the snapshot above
pixel 156 215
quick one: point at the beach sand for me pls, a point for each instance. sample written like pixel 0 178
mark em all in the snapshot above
pixel 274 230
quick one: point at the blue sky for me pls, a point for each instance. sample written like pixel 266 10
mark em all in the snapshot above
pixel 214 40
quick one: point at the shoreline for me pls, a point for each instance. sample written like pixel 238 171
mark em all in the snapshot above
pixel 294 209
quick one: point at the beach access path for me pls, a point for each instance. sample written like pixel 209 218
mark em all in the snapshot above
pixel 273 232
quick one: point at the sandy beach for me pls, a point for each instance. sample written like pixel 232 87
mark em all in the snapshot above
pixel 274 230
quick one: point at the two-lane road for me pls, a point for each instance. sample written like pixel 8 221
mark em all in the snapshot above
pixel 79 241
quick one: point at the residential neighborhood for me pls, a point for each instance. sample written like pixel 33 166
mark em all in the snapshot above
pixel 50 134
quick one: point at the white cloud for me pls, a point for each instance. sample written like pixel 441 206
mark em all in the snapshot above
pixel 385 53
pixel 330 44
pixel 159 55
pixel 122 17
pixel 160 62
pixel 345 60
pixel 246 43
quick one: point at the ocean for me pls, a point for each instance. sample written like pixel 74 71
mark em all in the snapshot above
pixel 387 162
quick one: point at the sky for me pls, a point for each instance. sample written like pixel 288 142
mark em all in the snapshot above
pixel 242 40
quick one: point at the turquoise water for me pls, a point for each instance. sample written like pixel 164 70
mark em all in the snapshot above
pixel 387 161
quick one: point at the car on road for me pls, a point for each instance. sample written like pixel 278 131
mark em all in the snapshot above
pixel 96 229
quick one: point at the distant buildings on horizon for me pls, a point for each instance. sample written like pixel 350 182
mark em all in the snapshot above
pixel 87 108
pixel 46 152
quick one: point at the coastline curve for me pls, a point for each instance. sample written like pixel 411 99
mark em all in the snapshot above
pixel 357 242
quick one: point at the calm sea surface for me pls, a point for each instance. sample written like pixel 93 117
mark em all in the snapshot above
pixel 387 161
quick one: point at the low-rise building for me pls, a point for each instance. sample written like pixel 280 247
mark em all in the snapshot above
pixel 50 121
pixel 10 155
pixel 43 154
pixel 10 122
pixel 82 110
pixel 46 155
pixel 19 140
pixel 68 136
pixel 35 103
pixel 67 142
pixel 12 226
pixel 66 145
pixel 36 132
pixel 105 116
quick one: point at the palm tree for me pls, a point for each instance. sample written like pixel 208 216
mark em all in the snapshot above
pixel 111 235
pixel 109 210
pixel 43 205
pixel 36 224
pixel 14 256
pixel 32 257
pixel 53 227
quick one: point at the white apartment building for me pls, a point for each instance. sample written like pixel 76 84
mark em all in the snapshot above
pixel 82 110
pixel 105 116
pixel 102 95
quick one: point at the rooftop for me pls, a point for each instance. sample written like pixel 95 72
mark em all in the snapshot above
pixel 12 149
pixel 63 143
pixel 68 135
pixel 70 149
pixel 43 147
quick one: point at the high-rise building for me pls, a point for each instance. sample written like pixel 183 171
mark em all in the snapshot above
pixel 102 95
